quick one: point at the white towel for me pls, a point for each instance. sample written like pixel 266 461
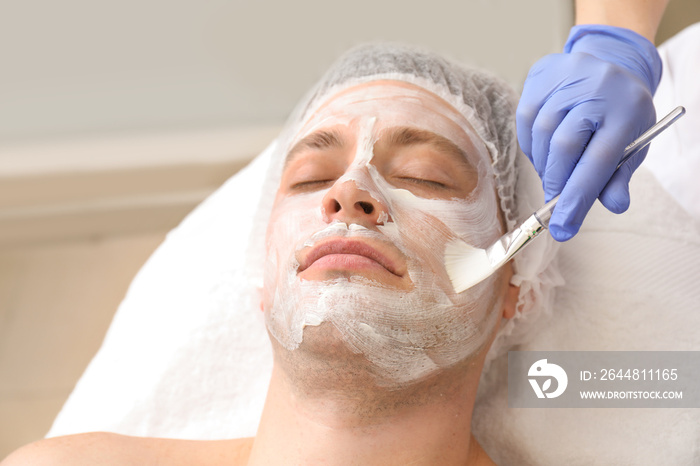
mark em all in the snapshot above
pixel 631 285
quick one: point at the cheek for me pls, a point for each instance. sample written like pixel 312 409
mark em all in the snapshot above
pixel 475 219
pixel 428 224
pixel 424 237
pixel 292 221
pixel 292 217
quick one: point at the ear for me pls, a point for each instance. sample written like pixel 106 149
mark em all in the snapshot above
pixel 510 301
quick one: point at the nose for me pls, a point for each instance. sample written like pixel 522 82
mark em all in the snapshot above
pixel 348 203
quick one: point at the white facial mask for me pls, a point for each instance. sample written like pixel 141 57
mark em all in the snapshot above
pixel 407 333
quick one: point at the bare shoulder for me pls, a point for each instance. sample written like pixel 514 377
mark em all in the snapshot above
pixel 72 449
pixel 112 449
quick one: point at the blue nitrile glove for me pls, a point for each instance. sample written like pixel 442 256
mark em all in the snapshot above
pixel 578 112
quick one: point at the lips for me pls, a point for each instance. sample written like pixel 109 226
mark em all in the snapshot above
pixel 352 247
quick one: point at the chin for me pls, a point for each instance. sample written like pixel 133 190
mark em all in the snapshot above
pixel 325 361
pixel 325 341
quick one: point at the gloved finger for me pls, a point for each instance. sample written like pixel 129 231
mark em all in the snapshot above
pixel 571 209
pixel 548 120
pixel 591 174
pixel 566 147
pixel 536 90
pixel 525 116
pixel 616 194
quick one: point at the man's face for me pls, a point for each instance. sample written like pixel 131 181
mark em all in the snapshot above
pixel 379 178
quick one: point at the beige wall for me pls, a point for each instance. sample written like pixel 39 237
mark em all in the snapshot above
pixel 79 66
pixel 678 15
pixel 56 302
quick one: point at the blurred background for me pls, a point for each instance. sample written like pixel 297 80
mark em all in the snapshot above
pixel 117 118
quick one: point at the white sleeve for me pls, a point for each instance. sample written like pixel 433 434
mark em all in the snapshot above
pixel 674 156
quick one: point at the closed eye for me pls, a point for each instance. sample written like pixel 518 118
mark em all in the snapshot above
pixel 310 185
pixel 424 182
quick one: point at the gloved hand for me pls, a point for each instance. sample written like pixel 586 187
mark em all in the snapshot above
pixel 579 110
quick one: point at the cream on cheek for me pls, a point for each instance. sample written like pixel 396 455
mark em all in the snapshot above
pixel 406 334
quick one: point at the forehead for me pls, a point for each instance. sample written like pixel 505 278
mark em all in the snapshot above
pixel 393 104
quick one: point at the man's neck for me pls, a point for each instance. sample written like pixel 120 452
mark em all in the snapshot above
pixel 426 424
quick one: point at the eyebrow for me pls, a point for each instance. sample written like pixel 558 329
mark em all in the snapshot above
pixel 397 136
pixel 408 136
pixel 319 140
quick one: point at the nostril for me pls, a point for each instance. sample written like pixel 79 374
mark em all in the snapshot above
pixel 367 207
pixel 336 206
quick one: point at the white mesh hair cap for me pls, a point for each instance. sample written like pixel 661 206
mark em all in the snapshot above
pixel 488 104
